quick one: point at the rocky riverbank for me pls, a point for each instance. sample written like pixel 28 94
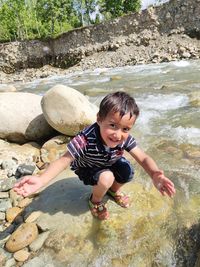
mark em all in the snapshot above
pixel 148 47
pixel 161 34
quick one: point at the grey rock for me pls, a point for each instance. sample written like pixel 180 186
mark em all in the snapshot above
pixel 7 184
pixel 24 169
pixel 5 204
pixel 38 243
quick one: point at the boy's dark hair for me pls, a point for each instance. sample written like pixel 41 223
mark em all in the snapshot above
pixel 118 102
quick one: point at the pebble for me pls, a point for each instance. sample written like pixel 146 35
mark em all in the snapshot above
pixel 22 237
pixel 12 213
pixel 21 255
pixel 33 216
pixel 4 195
pixel 10 263
pixel 24 202
pixel 38 243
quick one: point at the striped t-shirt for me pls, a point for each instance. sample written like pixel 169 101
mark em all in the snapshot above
pixel 88 150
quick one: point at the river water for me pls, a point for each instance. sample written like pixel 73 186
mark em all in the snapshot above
pixel 164 232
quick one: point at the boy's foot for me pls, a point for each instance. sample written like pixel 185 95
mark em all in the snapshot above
pixel 98 210
pixel 120 198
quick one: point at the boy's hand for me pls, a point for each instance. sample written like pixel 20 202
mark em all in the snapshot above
pixel 163 184
pixel 28 185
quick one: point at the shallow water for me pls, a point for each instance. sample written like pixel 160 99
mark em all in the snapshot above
pixel 169 130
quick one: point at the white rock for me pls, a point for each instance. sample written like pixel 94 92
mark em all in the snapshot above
pixel 21 117
pixel 67 110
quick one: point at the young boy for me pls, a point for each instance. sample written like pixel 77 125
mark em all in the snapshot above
pixel 96 156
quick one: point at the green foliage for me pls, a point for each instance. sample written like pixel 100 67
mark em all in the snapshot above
pixel 33 19
pixel 116 8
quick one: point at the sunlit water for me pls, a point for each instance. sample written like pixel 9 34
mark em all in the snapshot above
pixel 169 130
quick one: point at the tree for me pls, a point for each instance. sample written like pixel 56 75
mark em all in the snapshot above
pixel 116 8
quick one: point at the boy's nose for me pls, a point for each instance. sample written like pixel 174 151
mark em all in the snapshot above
pixel 117 135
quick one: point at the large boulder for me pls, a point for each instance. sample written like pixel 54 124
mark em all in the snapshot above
pixel 21 118
pixel 67 110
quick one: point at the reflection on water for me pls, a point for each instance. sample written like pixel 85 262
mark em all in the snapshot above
pixel 153 231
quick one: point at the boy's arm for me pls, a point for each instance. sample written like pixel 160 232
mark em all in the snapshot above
pixel 56 167
pixel 162 183
pixel 30 184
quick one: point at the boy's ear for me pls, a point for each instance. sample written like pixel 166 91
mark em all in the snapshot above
pixel 98 118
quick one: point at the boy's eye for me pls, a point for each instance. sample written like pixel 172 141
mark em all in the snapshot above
pixel 126 130
pixel 112 125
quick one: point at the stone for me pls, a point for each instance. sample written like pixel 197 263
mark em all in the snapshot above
pixel 54 148
pixel 38 243
pixel 10 263
pixel 21 154
pixel 67 110
pixel 4 195
pixel 7 184
pixel 22 237
pixel 21 118
pixel 2 216
pixel 24 202
pixel 15 198
pixel 33 216
pixel 21 255
pixel 12 213
pixel 5 204
pixel 7 88
pixel 24 169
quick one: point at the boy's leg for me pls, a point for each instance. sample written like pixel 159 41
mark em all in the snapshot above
pixel 98 209
pixel 106 179
pixel 123 173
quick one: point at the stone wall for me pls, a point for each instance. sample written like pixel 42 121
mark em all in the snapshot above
pixel 68 49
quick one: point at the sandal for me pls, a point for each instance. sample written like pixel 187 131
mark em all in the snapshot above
pixel 98 210
pixel 120 198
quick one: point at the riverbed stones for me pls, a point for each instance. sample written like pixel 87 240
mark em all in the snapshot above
pixel 194 98
pixel 22 237
pixel 21 118
pixel 67 110
pixel 21 255
pixel 12 213
pixel 54 148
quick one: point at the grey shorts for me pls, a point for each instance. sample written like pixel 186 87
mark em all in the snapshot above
pixel 122 170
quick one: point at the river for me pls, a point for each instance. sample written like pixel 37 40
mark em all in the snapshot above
pixel 168 129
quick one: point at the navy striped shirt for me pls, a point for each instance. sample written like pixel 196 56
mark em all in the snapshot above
pixel 88 150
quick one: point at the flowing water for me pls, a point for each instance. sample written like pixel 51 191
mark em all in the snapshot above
pixel 158 232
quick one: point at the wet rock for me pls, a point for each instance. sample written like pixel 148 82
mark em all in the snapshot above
pixel 40 262
pixel 38 243
pixel 22 237
pixel 194 98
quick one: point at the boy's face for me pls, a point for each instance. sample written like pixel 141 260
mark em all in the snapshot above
pixel 115 129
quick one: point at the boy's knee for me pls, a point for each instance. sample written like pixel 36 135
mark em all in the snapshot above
pixel 123 171
pixel 106 179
